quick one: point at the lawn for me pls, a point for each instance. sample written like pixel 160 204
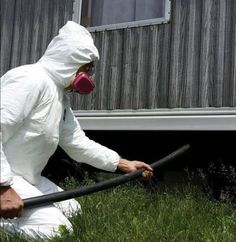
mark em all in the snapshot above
pixel 134 213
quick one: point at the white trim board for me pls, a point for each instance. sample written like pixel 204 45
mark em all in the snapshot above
pixel 161 119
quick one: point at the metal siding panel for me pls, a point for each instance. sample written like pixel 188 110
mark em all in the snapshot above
pixel 113 94
pixel 158 72
pixel 233 70
pixel 189 62
pixel 32 26
pixel 34 55
pixel 42 29
pixel 7 28
pixel 212 54
pixel 136 61
pixel 183 91
pixel 193 49
pixel 104 69
pixel 163 85
pixel 26 34
pixel 220 52
pixel 145 65
pixel 140 95
pixel 204 54
pixel 127 75
pixel 174 81
pixel 17 39
pixel 155 67
pixel 229 84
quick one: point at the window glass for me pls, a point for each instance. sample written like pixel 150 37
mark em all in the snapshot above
pixel 113 12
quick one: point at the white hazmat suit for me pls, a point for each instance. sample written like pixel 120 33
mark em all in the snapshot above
pixel 35 118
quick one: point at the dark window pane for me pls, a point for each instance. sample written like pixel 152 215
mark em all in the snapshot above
pixel 105 12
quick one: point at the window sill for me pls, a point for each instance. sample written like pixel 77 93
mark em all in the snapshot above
pixel 128 24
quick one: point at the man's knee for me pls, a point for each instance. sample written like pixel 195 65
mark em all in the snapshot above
pixel 42 222
pixel 69 207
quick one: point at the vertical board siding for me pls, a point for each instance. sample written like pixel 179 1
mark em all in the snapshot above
pixel 229 84
pixel 186 63
pixel 27 26
pixel 193 49
pixel 113 94
pixel 232 94
pixel 205 54
pixel 154 68
pixel 126 71
pixel 175 62
pixel 7 29
pixel 220 43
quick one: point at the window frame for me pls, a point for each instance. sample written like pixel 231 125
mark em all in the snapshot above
pixel 78 9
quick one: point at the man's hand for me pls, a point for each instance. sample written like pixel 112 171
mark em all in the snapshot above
pixel 11 205
pixel 130 166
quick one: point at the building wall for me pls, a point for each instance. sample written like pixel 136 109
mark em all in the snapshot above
pixel 27 26
pixel 189 62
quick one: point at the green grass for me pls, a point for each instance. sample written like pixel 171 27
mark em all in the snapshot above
pixel 132 214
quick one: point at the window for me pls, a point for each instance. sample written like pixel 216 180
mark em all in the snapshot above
pixel 110 14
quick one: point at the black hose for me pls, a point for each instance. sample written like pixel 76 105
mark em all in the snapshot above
pixel 85 190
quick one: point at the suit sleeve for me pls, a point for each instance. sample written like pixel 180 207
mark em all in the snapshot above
pixel 82 149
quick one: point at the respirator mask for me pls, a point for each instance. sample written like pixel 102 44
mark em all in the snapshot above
pixel 83 81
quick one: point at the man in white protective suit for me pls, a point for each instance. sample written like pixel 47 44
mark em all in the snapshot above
pixel 36 118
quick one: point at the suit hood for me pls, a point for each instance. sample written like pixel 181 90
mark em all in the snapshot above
pixel 72 48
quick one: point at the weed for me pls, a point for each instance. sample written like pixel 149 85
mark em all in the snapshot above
pixel 129 213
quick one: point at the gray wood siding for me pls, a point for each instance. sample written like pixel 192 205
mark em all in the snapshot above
pixel 189 62
pixel 27 26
